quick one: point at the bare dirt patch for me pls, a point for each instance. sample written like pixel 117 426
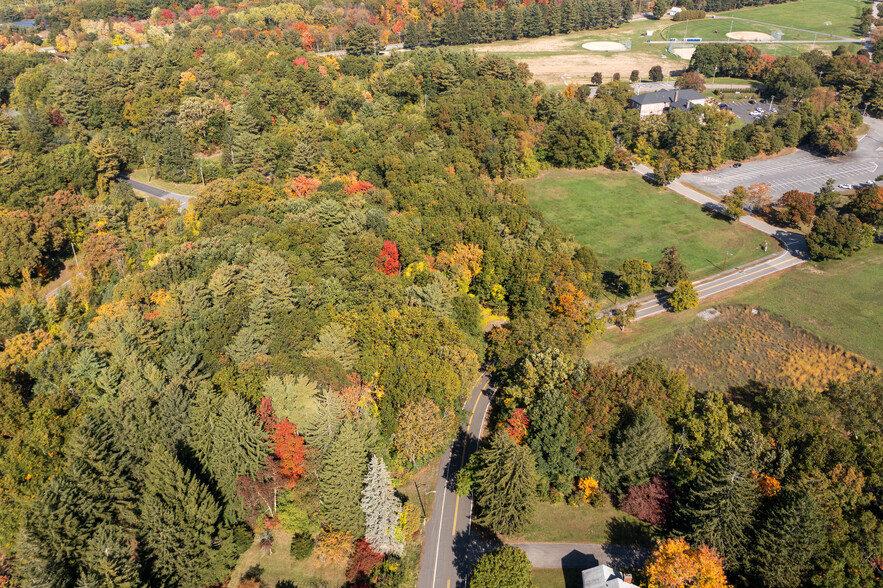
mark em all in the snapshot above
pixel 685 52
pixel 750 36
pixel 604 46
pixel 579 68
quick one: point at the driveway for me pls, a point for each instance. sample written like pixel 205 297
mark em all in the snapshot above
pixel 182 199
pixel 801 170
pixel 583 555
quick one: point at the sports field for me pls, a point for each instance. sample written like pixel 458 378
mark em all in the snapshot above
pixel 620 216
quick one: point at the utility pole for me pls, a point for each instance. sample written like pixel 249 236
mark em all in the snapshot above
pixel 420 498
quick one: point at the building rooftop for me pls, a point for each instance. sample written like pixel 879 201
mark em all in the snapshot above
pixel 604 577
pixel 676 97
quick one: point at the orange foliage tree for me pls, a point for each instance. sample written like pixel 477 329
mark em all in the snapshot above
pixel 334 547
pixel 302 186
pixel 674 564
pixel 518 423
pixel 388 260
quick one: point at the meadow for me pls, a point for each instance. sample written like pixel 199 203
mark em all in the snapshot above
pixel 620 216
pixel 837 301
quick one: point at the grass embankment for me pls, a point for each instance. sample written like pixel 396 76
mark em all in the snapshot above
pixel 148 176
pixel 838 301
pixel 562 523
pixel 620 216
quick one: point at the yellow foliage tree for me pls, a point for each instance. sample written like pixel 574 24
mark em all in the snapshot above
pixel 334 547
pixel 674 564
pixel 21 349
pixel 589 487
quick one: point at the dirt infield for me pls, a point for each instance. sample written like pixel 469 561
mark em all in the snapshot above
pixel 604 46
pixel 750 36
pixel 685 52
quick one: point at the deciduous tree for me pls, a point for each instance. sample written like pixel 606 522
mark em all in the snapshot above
pixel 684 296
pixel 674 564
pixel 506 567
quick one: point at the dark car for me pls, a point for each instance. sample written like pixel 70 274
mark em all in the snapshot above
pixel 737 165
pixel 752 102
pixel 725 107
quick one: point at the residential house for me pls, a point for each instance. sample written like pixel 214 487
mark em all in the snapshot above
pixel 605 577
pixel 662 101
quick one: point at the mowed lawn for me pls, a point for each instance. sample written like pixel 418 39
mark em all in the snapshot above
pixel 620 216
pixel 843 15
pixel 562 523
pixel 839 301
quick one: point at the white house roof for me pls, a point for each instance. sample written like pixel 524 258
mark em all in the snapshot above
pixel 604 577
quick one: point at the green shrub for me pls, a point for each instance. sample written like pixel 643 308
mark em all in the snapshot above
pixel 301 547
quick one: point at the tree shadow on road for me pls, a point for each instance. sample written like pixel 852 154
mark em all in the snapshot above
pixel 468 547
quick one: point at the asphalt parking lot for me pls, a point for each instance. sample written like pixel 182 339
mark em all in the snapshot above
pixel 743 109
pixel 801 170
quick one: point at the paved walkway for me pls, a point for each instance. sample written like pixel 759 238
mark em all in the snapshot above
pixel 583 555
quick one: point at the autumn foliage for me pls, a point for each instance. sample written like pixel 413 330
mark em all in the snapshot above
pixel 302 187
pixel 362 562
pixel 289 448
pixel 358 187
pixel 518 424
pixel 674 564
pixel 388 260
pixel 334 547
pixel 651 502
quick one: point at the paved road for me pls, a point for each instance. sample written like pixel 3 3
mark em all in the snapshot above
pixel 795 253
pixel 182 199
pixel 450 550
pixel 800 170
pixel 583 555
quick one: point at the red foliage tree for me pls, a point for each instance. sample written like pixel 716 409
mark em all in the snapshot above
pixel 359 187
pixel 651 502
pixel 362 562
pixel 289 448
pixel 388 260
pixel 301 62
pixel 518 423
pixel 797 207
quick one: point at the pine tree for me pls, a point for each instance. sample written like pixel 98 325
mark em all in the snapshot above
pixel 340 481
pixel 506 485
pixel 789 537
pixel 721 508
pixel 670 269
pixel 225 280
pixel 229 442
pixel 181 526
pixel 335 343
pixel 321 427
pixel 382 510
pixel 293 398
pixel 550 439
pixel 638 453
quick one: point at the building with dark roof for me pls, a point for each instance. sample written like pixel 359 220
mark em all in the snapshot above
pixel 662 101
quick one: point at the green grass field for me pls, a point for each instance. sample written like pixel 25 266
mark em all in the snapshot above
pixel 563 523
pixel 839 301
pixel 813 15
pixel 620 216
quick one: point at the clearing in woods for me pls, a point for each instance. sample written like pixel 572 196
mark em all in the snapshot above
pixel 619 215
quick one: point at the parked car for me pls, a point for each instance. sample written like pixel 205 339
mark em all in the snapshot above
pixel 844 186
pixel 737 165
pixel 752 102
pixel 725 107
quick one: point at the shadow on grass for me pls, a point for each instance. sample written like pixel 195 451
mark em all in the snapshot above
pixel 622 531
pixel 573 578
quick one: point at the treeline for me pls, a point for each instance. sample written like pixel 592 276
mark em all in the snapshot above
pixel 473 25
pixel 781 484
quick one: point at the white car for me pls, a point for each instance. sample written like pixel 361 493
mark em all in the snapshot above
pixel 844 187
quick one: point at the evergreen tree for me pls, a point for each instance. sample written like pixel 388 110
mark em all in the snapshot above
pixel 175 156
pixel 382 510
pixel 790 535
pixel 638 453
pixel 181 535
pixel 720 511
pixel 506 485
pixel 293 398
pixel 340 480
pixel 362 40
pixel 229 442
pixel 550 439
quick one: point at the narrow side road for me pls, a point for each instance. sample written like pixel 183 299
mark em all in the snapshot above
pixel 182 199
pixel 449 550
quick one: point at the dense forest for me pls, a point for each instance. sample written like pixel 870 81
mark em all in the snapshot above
pixel 277 353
